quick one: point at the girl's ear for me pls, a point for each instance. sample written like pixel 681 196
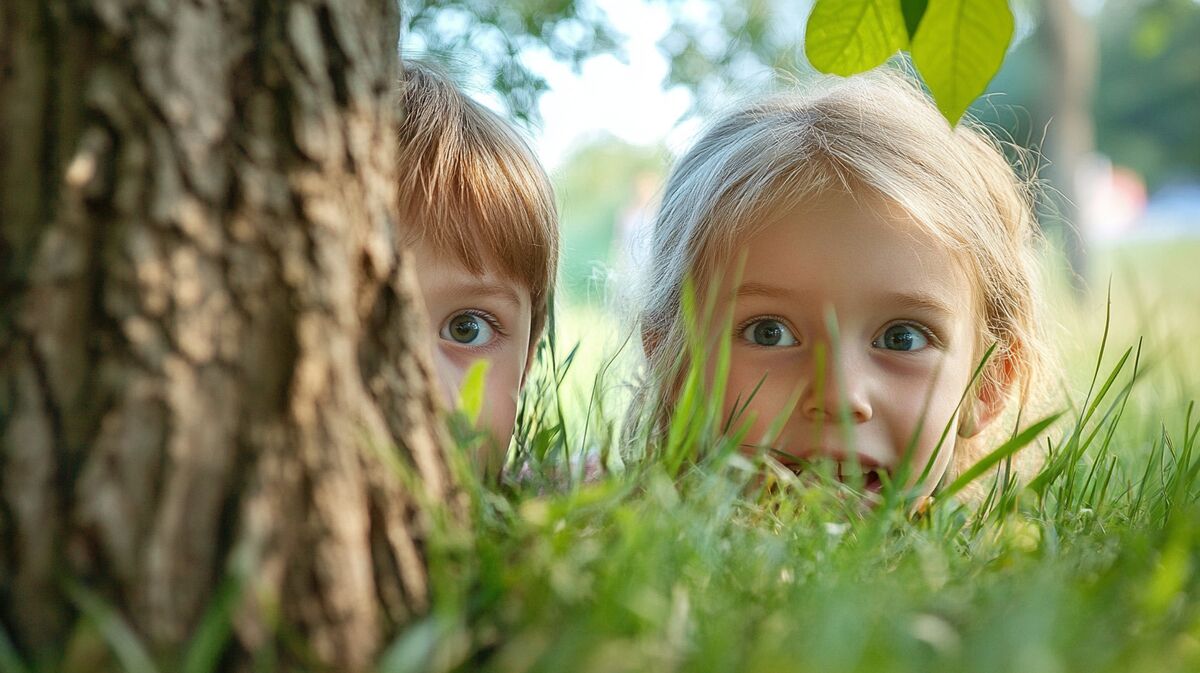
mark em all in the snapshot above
pixel 989 398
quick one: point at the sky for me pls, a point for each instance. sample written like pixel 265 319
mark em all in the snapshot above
pixel 622 97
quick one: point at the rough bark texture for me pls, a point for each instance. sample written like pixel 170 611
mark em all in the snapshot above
pixel 205 337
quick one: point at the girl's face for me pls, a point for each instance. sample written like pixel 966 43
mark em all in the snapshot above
pixel 905 344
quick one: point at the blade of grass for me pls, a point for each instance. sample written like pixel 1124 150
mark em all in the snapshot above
pixel 1003 451
pixel 957 408
pixel 212 635
pixel 10 662
pixel 119 636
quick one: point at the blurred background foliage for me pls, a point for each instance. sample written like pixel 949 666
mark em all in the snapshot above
pixel 604 188
pixel 1147 107
pixel 1145 100
pixel 1106 92
pixel 490 36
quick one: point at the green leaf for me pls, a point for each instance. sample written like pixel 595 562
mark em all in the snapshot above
pixel 959 47
pixel 845 37
pixel 913 10
pixel 470 396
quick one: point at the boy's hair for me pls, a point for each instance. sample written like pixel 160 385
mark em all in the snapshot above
pixel 471 187
pixel 875 131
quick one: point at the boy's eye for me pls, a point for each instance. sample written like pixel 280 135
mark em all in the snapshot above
pixel 902 337
pixel 768 332
pixel 467 329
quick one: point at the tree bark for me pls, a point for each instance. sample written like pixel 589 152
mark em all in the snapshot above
pixel 1072 61
pixel 207 340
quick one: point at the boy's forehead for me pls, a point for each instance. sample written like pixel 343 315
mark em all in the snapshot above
pixel 509 254
pixel 455 276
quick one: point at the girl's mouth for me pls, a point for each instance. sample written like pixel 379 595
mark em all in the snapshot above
pixel 872 481
pixel 867 477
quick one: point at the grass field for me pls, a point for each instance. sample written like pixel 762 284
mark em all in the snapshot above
pixel 697 559
pixel 688 561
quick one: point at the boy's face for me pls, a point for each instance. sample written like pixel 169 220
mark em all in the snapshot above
pixel 905 342
pixel 477 317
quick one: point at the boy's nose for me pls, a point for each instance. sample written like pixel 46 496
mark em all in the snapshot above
pixel 840 384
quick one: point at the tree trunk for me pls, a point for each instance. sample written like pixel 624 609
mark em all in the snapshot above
pixel 1072 59
pixel 207 349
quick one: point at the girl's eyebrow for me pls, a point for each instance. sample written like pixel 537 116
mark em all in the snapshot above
pixel 919 301
pixel 913 301
pixel 764 290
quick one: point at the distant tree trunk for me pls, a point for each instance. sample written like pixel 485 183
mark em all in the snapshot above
pixel 205 340
pixel 1072 61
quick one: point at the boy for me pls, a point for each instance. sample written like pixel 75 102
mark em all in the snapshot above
pixel 479 216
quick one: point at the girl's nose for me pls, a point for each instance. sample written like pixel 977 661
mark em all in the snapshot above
pixel 839 384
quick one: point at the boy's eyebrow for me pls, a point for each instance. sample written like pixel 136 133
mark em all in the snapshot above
pixel 485 289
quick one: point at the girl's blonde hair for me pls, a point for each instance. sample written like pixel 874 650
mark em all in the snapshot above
pixel 877 131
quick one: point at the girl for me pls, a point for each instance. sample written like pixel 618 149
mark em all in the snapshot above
pixel 866 256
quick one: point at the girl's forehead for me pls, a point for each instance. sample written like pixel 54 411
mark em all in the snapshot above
pixel 860 219
pixel 840 240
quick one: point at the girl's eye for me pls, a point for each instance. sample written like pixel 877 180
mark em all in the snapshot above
pixel 467 329
pixel 768 332
pixel 902 337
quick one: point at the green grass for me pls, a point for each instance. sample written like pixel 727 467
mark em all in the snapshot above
pixel 697 559
pixel 701 564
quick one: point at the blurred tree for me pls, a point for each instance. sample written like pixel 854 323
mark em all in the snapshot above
pixel 602 185
pixel 1125 83
pixel 722 48
pixel 469 36
pixel 1068 43
pixel 1147 104
pixel 1146 99
pixel 718 48
pixel 1141 111
pixel 731 48
pixel 725 49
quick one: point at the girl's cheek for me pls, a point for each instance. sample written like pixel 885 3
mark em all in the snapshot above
pixel 744 372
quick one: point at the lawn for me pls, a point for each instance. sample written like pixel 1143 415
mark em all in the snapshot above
pixel 691 560
pixel 693 557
